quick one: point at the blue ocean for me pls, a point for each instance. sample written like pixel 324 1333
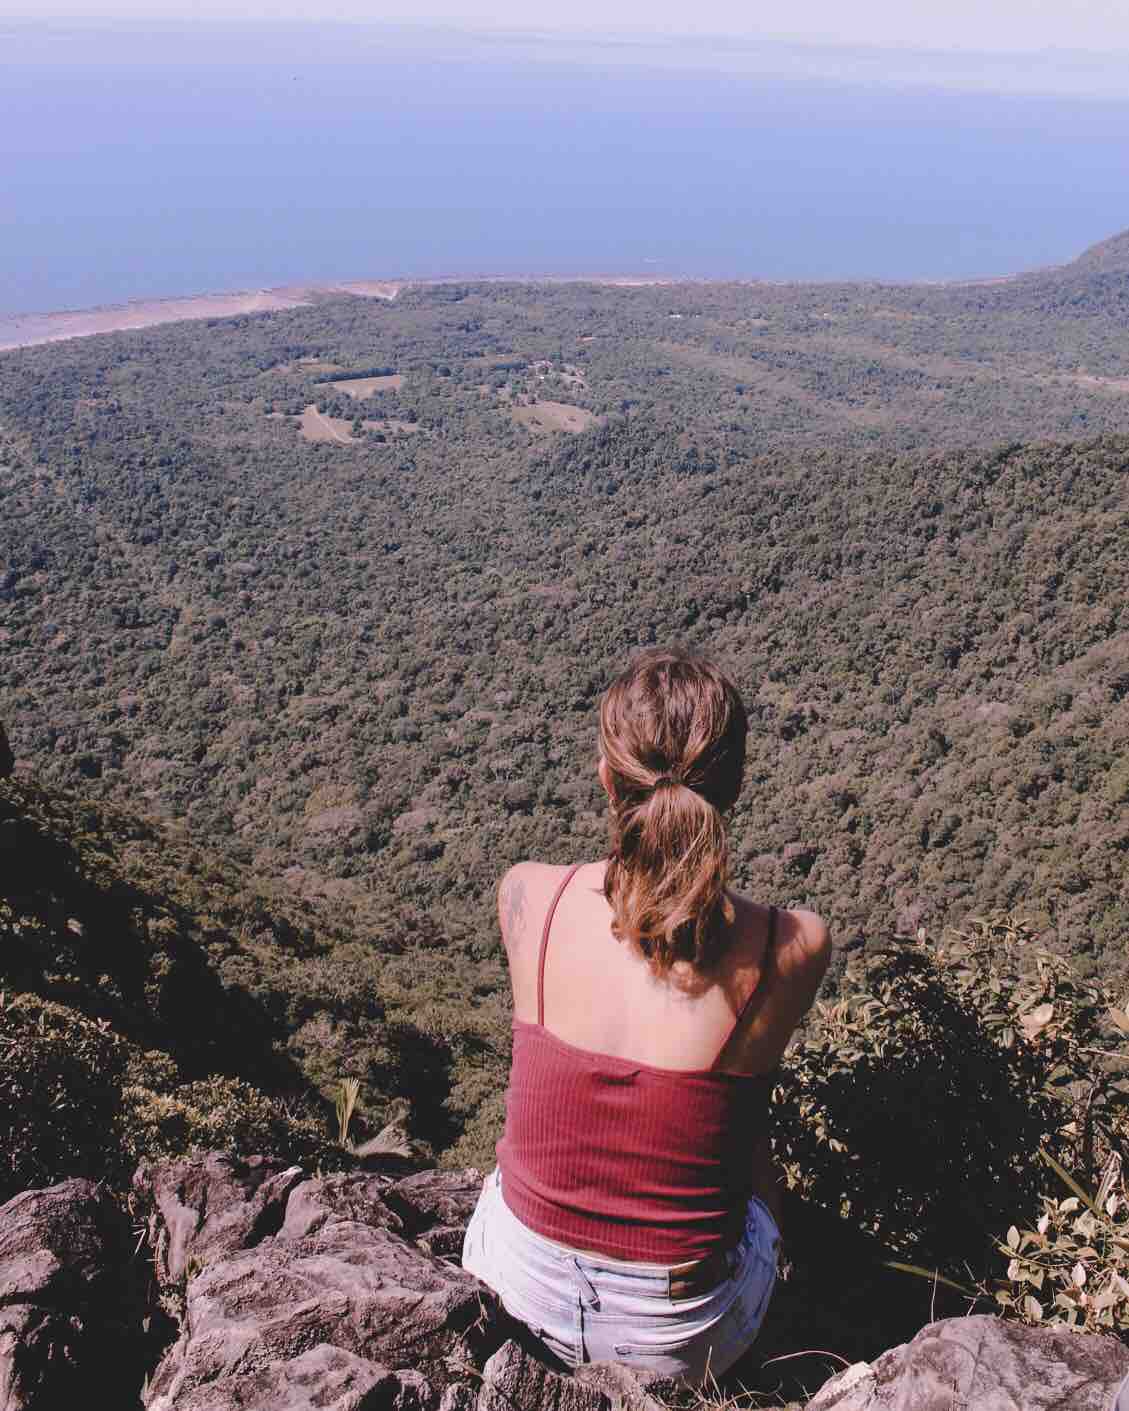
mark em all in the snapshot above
pixel 155 163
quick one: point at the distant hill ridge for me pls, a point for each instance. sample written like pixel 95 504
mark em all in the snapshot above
pixel 1107 257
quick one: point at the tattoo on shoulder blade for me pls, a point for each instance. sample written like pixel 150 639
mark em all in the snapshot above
pixel 513 908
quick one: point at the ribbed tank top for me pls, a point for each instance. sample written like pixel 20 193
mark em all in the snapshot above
pixel 622 1158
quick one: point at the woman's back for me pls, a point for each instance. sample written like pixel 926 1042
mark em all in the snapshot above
pixel 637 1105
pixel 601 995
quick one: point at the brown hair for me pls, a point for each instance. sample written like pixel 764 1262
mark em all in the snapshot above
pixel 672 733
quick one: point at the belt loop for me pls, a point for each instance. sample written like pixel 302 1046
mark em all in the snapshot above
pixel 586 1282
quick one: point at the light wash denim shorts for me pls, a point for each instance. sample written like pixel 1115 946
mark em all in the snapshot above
pixel 585 1308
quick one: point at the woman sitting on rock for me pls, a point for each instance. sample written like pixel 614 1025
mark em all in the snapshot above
pixel 633 1215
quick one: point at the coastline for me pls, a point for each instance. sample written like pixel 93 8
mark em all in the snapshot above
pixel 34 329
pixel 31 330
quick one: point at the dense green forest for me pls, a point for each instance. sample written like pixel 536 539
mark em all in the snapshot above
pixel 303 622
pixel 331 590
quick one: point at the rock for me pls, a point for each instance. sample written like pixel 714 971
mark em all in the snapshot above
pixel 854 1386
pixel 334 1272
pixel 414 1392
pixel 459 1396
pixel 445 1241
pixel 513 1379
pixel 7 758
pixel 66 1312
pixel 212 1205
pixel 312 1203
pixel 436 1200
pixel 323 1379
pixel 985 1363
pixel 629 1390
pixel 436 1207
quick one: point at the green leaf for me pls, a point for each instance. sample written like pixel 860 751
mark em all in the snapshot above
pixel 1068 1180
pixel 933 1275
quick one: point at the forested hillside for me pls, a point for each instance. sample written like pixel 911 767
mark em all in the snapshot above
pixel 303 623
pixel 156 996
pixel 333 587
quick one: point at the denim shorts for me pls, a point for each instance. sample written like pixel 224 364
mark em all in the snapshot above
pixel 585 1308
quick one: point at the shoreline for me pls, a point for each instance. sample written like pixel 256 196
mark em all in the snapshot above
pixel 35 329
pixel 30 330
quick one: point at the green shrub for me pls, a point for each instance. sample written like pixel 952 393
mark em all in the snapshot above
pixel 220 1114
pixel 1073 1266
pixel 76 1100
pixel 917 1104
pixel 60 1095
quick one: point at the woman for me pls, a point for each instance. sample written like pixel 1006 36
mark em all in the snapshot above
pixel 633 1215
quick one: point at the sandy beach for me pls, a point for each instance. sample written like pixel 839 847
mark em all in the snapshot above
pixel 26 330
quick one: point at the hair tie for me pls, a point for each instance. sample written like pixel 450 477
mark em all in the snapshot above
pixel 668 780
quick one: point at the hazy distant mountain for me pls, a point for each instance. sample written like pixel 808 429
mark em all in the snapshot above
pixel 1107 257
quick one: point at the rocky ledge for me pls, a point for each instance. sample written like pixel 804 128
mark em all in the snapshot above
pixel 243 1283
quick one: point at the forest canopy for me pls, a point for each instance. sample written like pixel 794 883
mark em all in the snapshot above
pixel 304 618
pixel 332 586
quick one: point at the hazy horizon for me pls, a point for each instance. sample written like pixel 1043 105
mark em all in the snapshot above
pixel 1085 73
pixel 149 161
pixel 1002 26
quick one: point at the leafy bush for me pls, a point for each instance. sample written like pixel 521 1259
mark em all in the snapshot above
pixel 1073 1267
pixel 917 1104
pixel 220 1114
pixel 69 1105
pixel 60 1095
pixel 157 1002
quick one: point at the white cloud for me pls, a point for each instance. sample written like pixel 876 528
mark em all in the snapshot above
pixel 999 25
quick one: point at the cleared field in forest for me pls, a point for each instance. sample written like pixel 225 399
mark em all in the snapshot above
pixel 361 387
pixel 554 416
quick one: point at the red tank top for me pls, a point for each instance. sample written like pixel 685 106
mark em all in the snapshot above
pixel 618 1157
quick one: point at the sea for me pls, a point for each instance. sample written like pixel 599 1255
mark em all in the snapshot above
pixel 140 162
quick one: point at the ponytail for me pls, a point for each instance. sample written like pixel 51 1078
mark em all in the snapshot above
pixel 672 734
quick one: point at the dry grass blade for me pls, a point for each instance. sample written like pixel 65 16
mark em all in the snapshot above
pixel 393 1139
pixel 932 1275
pixel 1068 1180
pixel 347 1095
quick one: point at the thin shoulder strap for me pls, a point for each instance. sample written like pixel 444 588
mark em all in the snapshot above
pixel 569 875
pixel 757 987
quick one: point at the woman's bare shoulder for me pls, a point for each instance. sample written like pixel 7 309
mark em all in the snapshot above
pixel 807 934
pixel 524 893
pixel 802 940
pixel 803 954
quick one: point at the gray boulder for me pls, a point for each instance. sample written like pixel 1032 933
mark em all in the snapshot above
pixel 66 1311
pixel 436 1206
pixel 985 1363
pixel 313 1203
pixel 512 1378
pixel 433 1199
pixel 323 1379
pixel 203 1207
pixel 334 1272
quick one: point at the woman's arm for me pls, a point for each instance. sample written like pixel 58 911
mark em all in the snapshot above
pixel 767 1179
pixel 512 906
